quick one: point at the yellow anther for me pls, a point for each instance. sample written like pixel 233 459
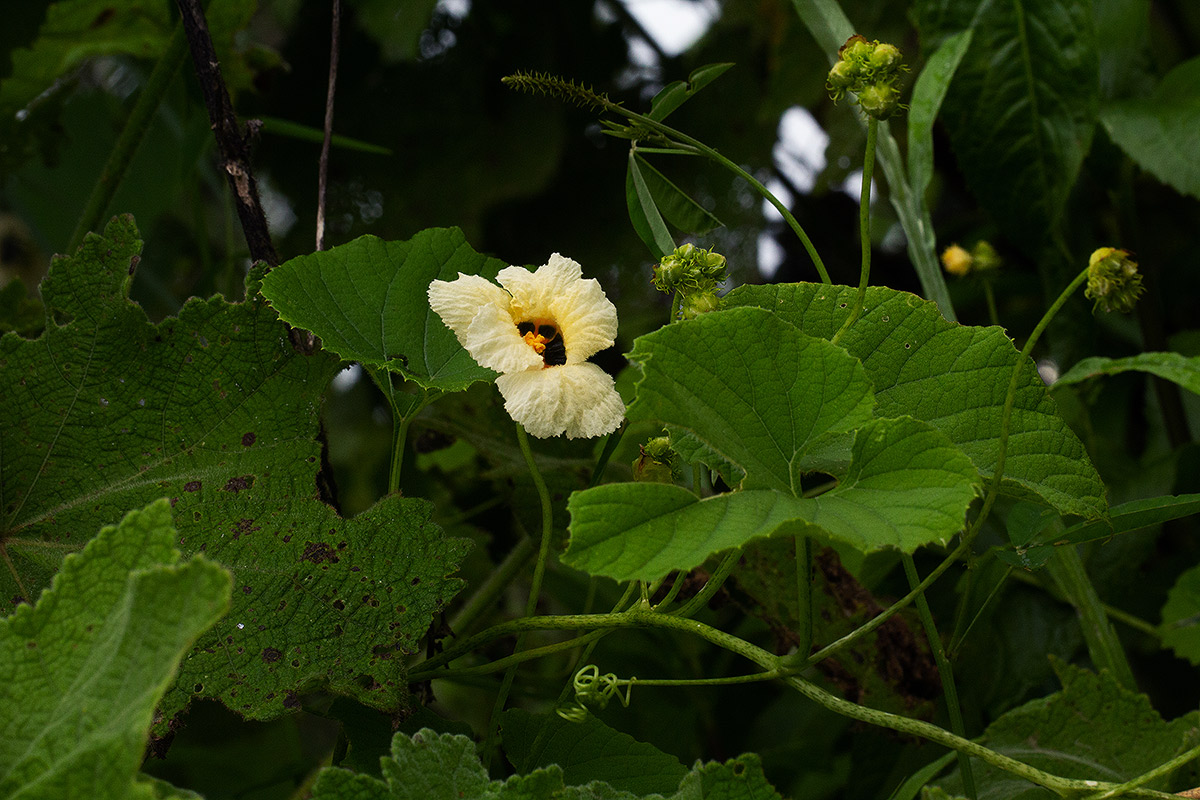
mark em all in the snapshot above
pixel 536 341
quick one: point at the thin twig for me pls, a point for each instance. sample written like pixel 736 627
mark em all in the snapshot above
pixel 231 144
pixel 323 169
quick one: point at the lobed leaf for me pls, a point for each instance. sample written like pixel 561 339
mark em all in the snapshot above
pixel 754 389
pixel 367 301
pixel 214 410
pixel 953 377
pixel 906 486
pixel 85 666
pixel 429 766
pixel 1093 729
pixel 588 751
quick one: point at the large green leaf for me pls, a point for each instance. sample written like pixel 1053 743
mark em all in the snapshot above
pixel 588 751
pixel 1093 729
pixel 1162 132
pixel 955 378
pixel 1023 105
pixel 432 766
pixel 1181 369
pixel 213 409
pixel 85 666
pixel 367 301
pixel 753 389
pixel 906 486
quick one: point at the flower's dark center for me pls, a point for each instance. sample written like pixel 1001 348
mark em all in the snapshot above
pixel 545 340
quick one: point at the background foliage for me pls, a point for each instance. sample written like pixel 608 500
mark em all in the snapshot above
pixel 148 367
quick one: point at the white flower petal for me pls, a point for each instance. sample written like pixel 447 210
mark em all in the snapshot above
pixel 557 292
pixel 493 341
pixel 457 302
pixel 576 399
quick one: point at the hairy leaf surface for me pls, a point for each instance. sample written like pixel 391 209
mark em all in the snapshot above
pixel 85 666
pixel 214 410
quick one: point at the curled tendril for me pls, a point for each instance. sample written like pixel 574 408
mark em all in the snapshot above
pixel 596 690
pixel 554 86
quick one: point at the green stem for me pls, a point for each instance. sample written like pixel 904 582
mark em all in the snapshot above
pixel 714 583
pixel 804 595
pixel 713 155
pixel 669 597
pixel 945 672
pixel 1066 569
pixel 610 447
pixel 131 135
pixel 535 587
pixel 641 618
pixel 989 294
pixel 891 610
pixel 506 662
pixel 864 228
pixel 1162 769
pixel 676 302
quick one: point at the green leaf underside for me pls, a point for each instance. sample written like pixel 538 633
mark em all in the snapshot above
pixel 751 388
pixel 643 213
pixel 1023 105
pixel 432 766
pixel 588 751
pixel 906 486
pixel 680 210
pixel 1180 369
pixel 954 377
pixel 214 410
pixel 85 666
pixel 367 300
pixel 1093 729
pixel 1162 132
pixel 1181 616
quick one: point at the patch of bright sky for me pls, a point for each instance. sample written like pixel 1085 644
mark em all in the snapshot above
pixel 675 25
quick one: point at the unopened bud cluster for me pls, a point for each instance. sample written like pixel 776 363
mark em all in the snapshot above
pixel 870 71
pixel 959 262
pixel 695 274
pixel 657 462
pixel 1113 280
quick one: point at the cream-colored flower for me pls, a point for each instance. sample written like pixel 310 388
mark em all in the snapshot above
pixel 539 329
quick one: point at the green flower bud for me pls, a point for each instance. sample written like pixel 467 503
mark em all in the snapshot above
pixel 699 303
pixel 885 58
pixel 657 463
pixel 842 78
pixel 879 100
pixel 985 256
pixel 1113 280
pixel 688 270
